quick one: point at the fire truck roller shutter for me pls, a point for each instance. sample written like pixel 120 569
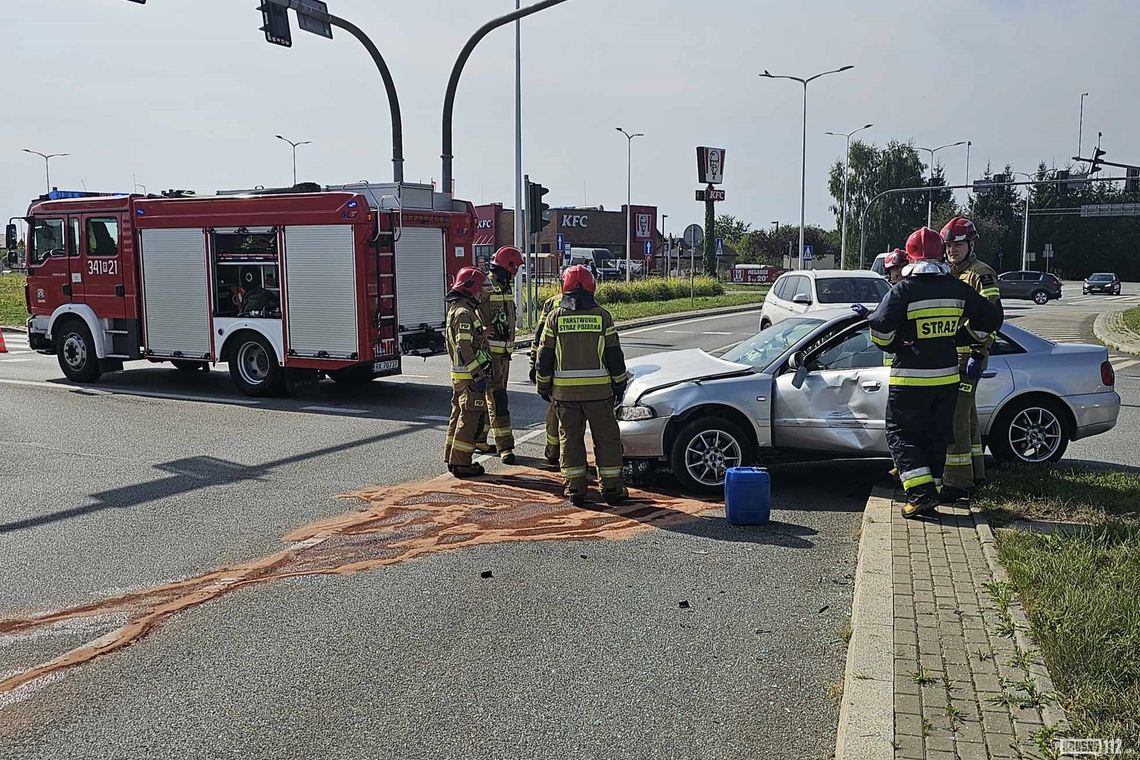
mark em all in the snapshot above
pixel 421 282
pixel 176 302
pixel 320 288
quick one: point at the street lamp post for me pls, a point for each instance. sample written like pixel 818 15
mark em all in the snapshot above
pixel 930 190
pixel 47 158
pixel 846 166
pixel 295 145
pixel 665 218
pixel 1025 226
pixel 803 145
pixel 628 195
pixel 968 144
pixel 1081 123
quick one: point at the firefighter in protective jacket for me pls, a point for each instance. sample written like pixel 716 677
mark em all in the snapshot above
pixel 470 371
pixel 965 458
pixel 918 322
pixel 552 447
pixel 582 369
pixel 500 318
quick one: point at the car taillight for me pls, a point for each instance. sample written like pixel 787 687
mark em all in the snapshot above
pixel 1107 374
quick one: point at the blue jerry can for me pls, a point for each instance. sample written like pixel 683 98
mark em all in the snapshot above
pixel 747 496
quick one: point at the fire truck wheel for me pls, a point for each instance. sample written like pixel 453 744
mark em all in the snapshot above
pixel 254 367
pixel 188 366
pixel 76 352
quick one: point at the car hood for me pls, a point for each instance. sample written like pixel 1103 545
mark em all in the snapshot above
pixel 655 371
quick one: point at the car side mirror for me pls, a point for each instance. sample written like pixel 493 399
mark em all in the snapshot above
pixel 802 298
pixel 798 363
pixel 10 237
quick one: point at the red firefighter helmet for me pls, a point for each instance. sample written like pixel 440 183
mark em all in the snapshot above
pixel 576 277
pixel 508 258
pixel 924 245
pixel 959 230
pixel 469 282
pixel 895 258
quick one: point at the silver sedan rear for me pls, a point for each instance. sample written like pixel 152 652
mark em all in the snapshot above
pixel 815 387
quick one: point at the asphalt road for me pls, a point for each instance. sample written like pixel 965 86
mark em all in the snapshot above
pixel 571 648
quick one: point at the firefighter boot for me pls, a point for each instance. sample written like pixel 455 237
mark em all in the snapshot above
pixel 507 457
pixel 924 505
pixel 466 470
pixel 953 494
pixel 614 497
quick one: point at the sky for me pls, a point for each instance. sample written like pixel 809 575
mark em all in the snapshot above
pixel 187 94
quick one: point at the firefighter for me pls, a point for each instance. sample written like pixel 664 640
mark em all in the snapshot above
pixel 582 369
pixel 552 447
pixel 918 322
pixel 965 457
pixel 893 265
pixel 500 318
pixel 470 371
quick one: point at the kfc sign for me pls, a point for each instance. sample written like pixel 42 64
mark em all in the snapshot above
pixel 710 166
pixel 485 224
pixel 575 220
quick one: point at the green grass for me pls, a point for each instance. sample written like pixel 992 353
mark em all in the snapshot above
pixel 1082 595
pixel 1062 492
pixel 1132 319
pixel 625 311
pixel 13 310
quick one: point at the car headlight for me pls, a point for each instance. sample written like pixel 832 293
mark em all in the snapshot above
pixel 635 413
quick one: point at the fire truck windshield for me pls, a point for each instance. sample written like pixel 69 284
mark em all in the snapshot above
pixel 46 239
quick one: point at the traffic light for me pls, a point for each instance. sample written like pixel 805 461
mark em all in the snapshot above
pixel 1000 179
pixel 1132 183
pixel 276 23
pixel 538 210
pixel 1098 154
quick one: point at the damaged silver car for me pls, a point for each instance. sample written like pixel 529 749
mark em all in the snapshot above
pixel 815 387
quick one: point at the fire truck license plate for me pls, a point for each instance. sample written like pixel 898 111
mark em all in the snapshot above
pixel 386 366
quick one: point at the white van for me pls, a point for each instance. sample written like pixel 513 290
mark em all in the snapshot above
pixel 878 266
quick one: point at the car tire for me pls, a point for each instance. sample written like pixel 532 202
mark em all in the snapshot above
pixel 76 352
pixel 1028 424
pixel 1040 297
pixel 704 449
pixel 254 368
pixel 765 323
pixel 1116 291
pixel 185 365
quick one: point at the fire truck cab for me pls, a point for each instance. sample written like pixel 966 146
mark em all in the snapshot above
pixel 279 286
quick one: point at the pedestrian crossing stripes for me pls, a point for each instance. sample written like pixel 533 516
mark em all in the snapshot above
pixel 1109 302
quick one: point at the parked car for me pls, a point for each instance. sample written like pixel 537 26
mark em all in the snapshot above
pixel 1039 287
pixel 814 386
pixel 810 290
pixel 879 265
pixel 1101 282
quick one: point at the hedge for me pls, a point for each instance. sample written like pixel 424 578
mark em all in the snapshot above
pixel 651 289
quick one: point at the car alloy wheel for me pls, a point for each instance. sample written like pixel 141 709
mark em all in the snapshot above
pixel 1035 433
pixel 1040 298
pixel 709 455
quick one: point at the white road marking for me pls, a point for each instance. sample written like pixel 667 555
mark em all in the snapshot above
pixel 521 439
pixel 679 332
pixel 1125 365
pixel 435 418
pixel 336 409
pixel 716 333
pixel 689 321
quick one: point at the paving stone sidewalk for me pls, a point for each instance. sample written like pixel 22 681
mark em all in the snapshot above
pixel 968 683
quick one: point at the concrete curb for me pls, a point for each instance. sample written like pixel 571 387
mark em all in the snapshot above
pixel 1051 714
pixel 662 319
pixel 20 330
pixel 867 714
pixel 1109 329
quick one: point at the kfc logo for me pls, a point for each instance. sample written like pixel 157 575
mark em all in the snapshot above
pixel 575 220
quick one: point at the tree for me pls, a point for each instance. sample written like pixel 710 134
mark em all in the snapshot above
pixel 731 229
pixel 998 213
pixel 874 170
pixel 710 239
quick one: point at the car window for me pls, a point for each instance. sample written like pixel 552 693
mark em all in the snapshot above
pixel 766 346
pixel 1004 346
pixel 47 236
pixel 803 287
pixel 781 289
pixel 851 289
pixel 852 352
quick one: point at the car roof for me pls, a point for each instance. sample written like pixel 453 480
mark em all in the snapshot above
pixel 817 273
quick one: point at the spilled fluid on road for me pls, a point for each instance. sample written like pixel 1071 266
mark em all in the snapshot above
pixel 398 524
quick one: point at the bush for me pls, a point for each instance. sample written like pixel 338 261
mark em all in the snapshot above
pixel 642 291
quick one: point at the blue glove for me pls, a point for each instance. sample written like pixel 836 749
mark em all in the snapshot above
pixel 860 309
pixel 974 367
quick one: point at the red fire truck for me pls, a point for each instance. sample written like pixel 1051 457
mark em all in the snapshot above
pixel 280 285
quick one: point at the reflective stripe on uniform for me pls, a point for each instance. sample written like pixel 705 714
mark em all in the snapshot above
pixel 462 446
pixel 573 472
pixel 916 477
pixel 551 440
pixel 991 293
pixel 936 307
pixel 609 472
pixel 619 379
pixel 980 337
pixel 882 338
pixel 977 450
pixel 960 460
pixel 963 349
pixel 581 376
pixel 501 432
pixel 920 377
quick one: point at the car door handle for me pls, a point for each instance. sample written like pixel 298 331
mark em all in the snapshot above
pixel 990 373
pixel 872 386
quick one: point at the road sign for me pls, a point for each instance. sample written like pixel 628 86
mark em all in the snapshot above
pixel 1048 252
pixel 712 195
pixel 694 235
pixel 313 23
pixel 648 247
pixel 1111 209
pixel 720 246
pixel 560 242
pixel 809 252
